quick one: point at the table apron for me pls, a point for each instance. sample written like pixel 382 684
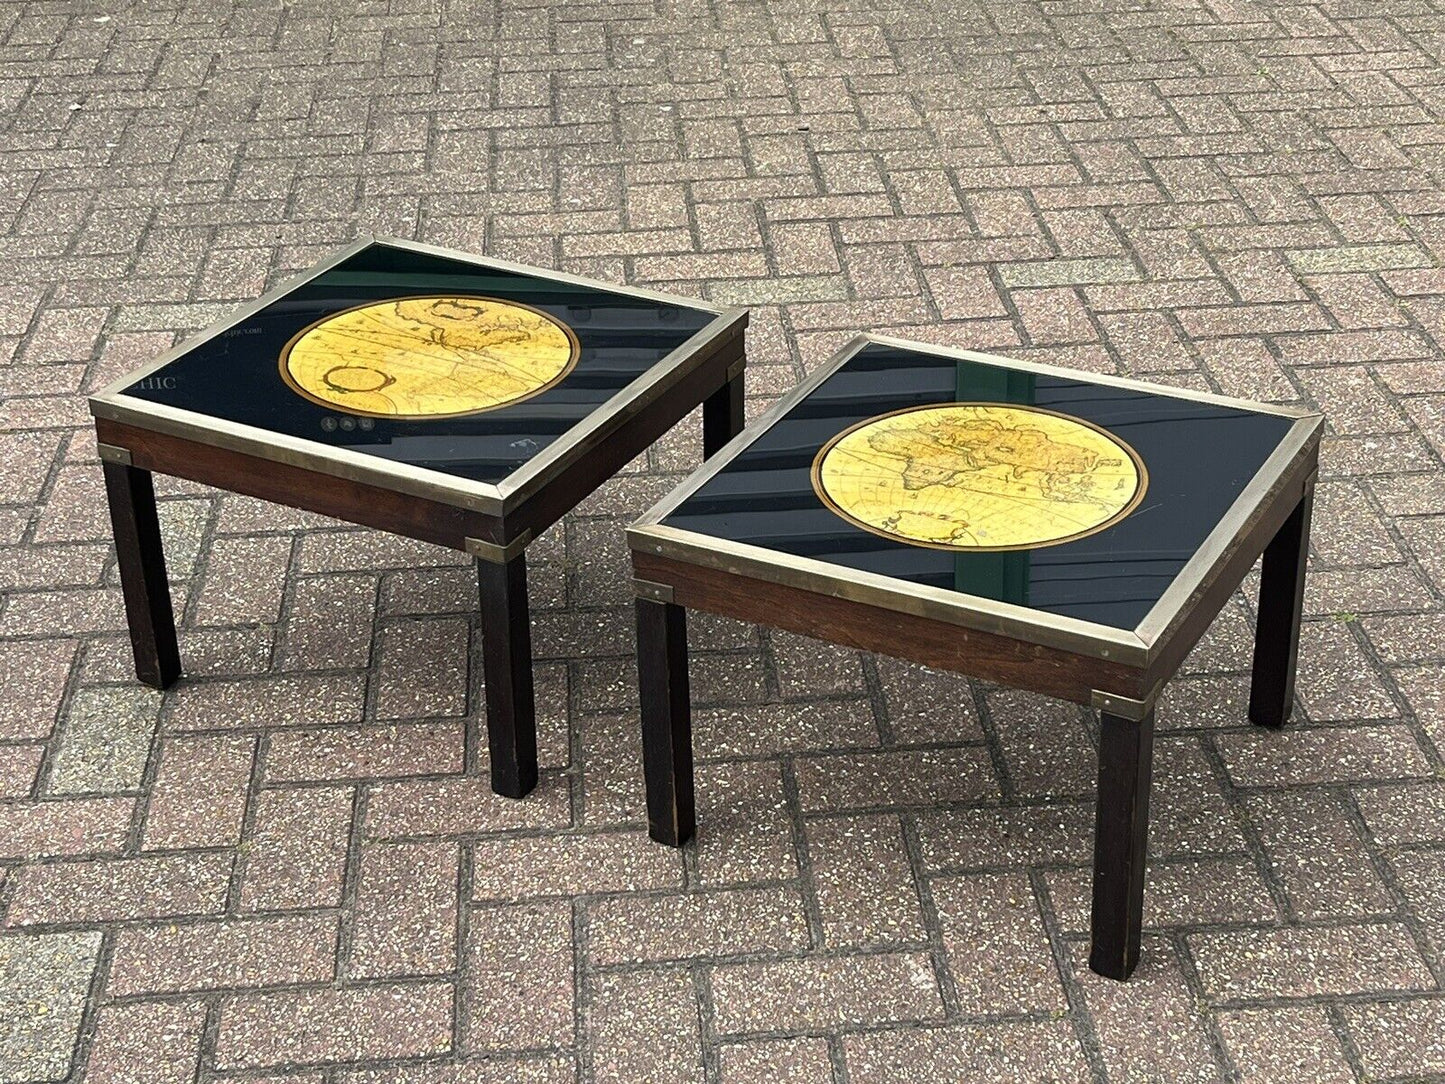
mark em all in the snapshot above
pixel 297 487
pixel 946 646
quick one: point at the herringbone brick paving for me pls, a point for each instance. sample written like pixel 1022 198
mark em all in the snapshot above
pixel 290 868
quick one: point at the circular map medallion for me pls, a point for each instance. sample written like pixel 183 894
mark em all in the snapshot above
pixel 428 357
pixel 979 476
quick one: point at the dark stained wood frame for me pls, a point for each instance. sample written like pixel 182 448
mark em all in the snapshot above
pixel 676 571
pixel 711 375
pixel 432 520
pixel 667 588
pixel 871 628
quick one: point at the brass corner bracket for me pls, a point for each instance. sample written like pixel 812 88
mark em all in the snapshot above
pixel 1123 706
pixel 653 592
pixel 499 555
pixel 111 453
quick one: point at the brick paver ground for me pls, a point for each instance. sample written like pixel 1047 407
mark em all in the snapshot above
pixel 290 868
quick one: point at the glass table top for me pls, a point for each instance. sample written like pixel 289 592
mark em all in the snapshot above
pixel 1045 491
pixel 426 360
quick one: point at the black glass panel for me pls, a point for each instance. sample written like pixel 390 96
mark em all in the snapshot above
pixel 236 375
pixel 1199 457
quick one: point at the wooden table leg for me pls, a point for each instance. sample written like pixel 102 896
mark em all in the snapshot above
pixel 507 666
pixel 1281 600
pixel 1121 838
pixel 666 720
pixel 722 416
pixel 132 499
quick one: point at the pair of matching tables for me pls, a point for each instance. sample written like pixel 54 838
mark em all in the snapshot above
pixel 1056 531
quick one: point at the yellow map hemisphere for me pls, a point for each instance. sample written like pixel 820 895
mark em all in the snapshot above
pixel 428 357
pixel 979 476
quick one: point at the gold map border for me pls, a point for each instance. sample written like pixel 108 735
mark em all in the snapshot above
pixel 336 407
pixel 833 506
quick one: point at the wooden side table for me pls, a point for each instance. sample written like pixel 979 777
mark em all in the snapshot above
pixel 463 401
pixel 1056 531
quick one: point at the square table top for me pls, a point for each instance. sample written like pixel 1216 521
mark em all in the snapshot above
pixel 1055 506
pixel 422 369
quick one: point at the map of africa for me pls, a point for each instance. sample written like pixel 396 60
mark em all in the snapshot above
pixel 979 476
pixel 428 357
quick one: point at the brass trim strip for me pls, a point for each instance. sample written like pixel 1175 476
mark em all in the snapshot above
pixel 110 453
pixel 560 276
pixel 296 452
pixel 1132 648
pixel 1300 445
pixel 498 555
pixel 1123 706
pixel 626 403
pixel 1094 378
pixel 887 593
pixel 493 500
pixel 653 592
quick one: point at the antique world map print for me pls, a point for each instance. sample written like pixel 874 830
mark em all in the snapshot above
pixel 979 476
pixel 428 357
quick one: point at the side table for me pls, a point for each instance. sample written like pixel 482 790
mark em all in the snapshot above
pixel 1056 531
pixel 463 401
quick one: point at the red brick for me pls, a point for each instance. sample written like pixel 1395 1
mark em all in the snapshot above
pixel 423 670
pixel 547 1069
pixel 1251 320
pixel 798 1061
pixel 1320 861
pixel 904 777
pixel 1044 743
pixel 220 955
pixel 1405 813
pixel 1269 1045
pixel 358 1023
pixel 1336 754
pixel 1301 962
pixel 18 767
pixel 825 992
pixel 296 854
pixel 271 701
pixel 571 865
pixel 638 929
pixel 998 1053
pixel 329 623
pixel 863 881
pixel 199 795
pixel 1150 1028
pixel 405 917
pixel 68 826
pixel 146 1043
pixel 32 683
pixel 1400 1038
pixel 963 293
pixel 76 507
pixel 519 987
pixel 744 829
pixel 998 950
pixel 644 1026
pixel 25 463
pixel 244 581
pixel 367 752
pixel 120 889
pixel 460 806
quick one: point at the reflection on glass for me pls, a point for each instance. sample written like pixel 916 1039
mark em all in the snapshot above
pixel 482 423
pixel 1198 457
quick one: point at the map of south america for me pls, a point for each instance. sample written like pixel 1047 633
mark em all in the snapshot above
pixel 979 476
